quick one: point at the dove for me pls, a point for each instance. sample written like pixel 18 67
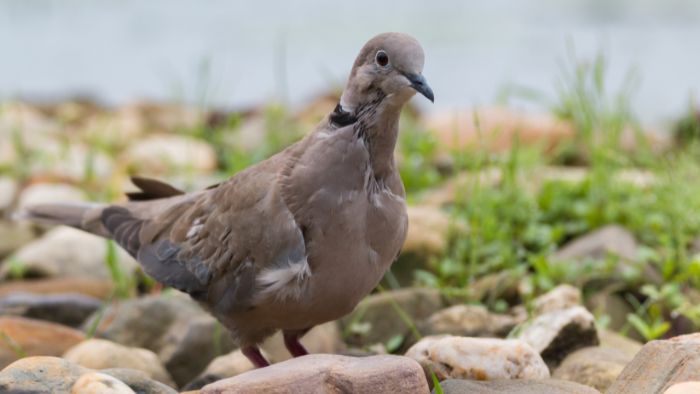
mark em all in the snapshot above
pixel 293 241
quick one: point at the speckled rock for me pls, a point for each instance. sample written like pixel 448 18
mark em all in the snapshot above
pixel 67 309
pixel 103 354
pixel 99 383
pixel 376 320
pixel 325 373
pixel 593 366
pixel 40 375
pixel 452 357
pixel 67 252
pixel 558 333
pixel 520 386
pixel 28 337
pixel 660 365
pixel 468 321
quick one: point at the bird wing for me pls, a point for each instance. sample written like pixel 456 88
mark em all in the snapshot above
pixel 211 244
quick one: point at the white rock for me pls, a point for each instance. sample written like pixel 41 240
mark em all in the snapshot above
pixel 561 297
pixel 103 354
pixel 558 333
pixel 159 154
pixel 100 383
pixel 67 252
pixel 42 193
pixel 452 357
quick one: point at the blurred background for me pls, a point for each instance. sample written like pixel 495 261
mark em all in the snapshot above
pixel 559 168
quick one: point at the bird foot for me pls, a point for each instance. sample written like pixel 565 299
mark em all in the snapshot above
pixel 253 354
pixel 291 342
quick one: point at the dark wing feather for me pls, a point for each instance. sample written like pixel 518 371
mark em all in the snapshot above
pixel 152 189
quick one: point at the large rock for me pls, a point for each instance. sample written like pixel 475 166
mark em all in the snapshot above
pixel 593 366
pixel 21 337
pixel 376 318
pixel 659 365
pixel 468 321
pixel 96 288
pixel 561 297
pixel 173 326
pixel 67 252
pixel 42 374
pixel 160 154
pixel 613 340
pixel 558 333
pixel 684 388
pixel 324 373
pixel 541 386
pixel 103 354
pixel 477 358
pixel 67 309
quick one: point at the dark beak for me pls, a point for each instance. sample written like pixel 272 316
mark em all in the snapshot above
pixel 419 83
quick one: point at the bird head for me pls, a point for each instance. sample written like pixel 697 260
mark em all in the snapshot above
pixel 389 65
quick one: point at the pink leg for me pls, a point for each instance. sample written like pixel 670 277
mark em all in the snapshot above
pixel 253 354
pixel 291 341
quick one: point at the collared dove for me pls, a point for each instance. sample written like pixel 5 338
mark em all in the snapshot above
pixel 294 241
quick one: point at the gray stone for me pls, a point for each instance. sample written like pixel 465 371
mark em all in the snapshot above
pixel 376 318
pixel 67 309
pixel 541 386
pixel 593 366
pixel 325 373
pixel 40 374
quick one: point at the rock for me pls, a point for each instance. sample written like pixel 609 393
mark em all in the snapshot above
pixel 21 337
pixel 614 306
pixel 173 326
pixel 14 235
pixel 67 252
pixel 8 192
pixel 504 285
pixel 160 154
pixel 74 163
pixel 561 297
pixel 43 193
pixel 495 129
pixel 608 240
pixel 556 334
pixel 659 365
pixel 468 321
pixel 103 354
pixel 624 345
pixel 67 309
pixel 684 388
pixel 190 345
pixel 226 366
pixel 96 288
pixel 593 366
pixel 519 386
pixel 477 358
pixel 139 381
pixel 324 338
pixel 99 383
pixel 325 373
pixel 375 319
pixel 40 375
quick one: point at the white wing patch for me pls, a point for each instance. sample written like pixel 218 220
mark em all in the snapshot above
pixel 284 283
pixel 195 228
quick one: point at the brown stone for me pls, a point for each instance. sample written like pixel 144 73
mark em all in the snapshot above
pixel 323 373
pixel 97 288
pixel 593 366
pixel 659 365
pixel 21 337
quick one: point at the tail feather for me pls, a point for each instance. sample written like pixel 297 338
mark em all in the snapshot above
pixel 84 216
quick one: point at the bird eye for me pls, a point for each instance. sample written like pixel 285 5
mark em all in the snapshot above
pixel 382 59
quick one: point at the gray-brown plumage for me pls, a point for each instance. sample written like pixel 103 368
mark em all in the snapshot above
pixel 296 240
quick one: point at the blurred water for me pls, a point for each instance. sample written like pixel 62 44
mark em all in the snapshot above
pixel 240 53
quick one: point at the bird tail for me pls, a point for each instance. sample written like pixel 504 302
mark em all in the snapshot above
pixel 83 216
